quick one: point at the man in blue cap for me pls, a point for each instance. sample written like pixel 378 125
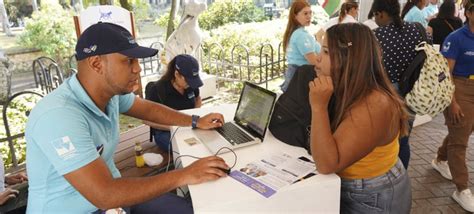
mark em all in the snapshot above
pixel 67 172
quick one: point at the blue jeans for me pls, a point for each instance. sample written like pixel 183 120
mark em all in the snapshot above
pixel 162 139
pixel 288 76
pixel 166 204
pixel 387 193
pixel 404 152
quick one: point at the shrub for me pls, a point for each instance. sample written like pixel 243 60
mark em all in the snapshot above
pixel 229 11
pixel 250 35
pixel 141 10
pixel 162 21
pixel 17 117
pixel 17 10
pixel 51 30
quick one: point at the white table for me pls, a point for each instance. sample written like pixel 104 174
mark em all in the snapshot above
pixel 318 194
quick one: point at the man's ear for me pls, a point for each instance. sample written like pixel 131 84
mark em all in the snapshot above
pixel 95 63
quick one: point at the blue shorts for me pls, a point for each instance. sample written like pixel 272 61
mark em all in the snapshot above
pixel 387 193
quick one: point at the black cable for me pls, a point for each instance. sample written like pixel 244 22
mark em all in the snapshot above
pixel 217 153
pixel 235 155
pixel 170 148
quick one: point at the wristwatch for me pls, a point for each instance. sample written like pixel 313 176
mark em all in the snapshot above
pixel 195 119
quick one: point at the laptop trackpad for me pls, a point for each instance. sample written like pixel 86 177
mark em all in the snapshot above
pixel 211 139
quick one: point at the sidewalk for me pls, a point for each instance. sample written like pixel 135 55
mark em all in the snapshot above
pixel 430 191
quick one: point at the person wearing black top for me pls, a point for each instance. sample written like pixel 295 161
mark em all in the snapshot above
pixel 178 89
pixel 444 23
pixel 398 40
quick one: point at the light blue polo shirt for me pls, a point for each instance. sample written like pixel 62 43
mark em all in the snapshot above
pixel 459 46
pixel 63 134
pixel 301 43
pixel 430 10
pixel 416 15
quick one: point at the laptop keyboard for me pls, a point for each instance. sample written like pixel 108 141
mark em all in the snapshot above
pixel 233 134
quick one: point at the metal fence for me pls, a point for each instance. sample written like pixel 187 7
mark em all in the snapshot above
pixel 235 65
pixel 152 65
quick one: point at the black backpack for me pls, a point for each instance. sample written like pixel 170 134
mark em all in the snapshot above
pixel 412 73
pixel 291 118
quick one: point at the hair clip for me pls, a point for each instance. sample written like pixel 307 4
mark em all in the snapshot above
pixel 349 44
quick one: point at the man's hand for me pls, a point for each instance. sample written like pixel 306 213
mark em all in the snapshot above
pixel 205 169
pixel 210 121
pixel 7 194
pixel 16 178
pixel 455 113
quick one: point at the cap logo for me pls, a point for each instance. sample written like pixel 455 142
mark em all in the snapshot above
pixel 128 37
pixel 90 49
pixel 105 16
pixel 131 41
pixel 196 73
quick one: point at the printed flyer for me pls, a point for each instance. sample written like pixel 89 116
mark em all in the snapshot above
pixel 269 174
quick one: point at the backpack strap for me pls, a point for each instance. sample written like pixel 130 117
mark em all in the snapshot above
pixel 449 25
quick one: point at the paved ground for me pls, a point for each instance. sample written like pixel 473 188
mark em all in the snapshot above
pixel 431 192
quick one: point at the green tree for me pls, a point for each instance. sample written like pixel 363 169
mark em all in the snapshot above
pixel 174 10
pixel 126 5
pixel 51 30
pixel 229 11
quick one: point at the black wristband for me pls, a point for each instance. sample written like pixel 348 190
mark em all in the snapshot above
pixel 195 119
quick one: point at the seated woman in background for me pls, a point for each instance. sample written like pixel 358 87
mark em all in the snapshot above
pixel 444 23
pixel 360 143
pixel 178 88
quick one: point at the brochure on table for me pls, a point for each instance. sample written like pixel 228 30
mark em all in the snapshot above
pixel 270 173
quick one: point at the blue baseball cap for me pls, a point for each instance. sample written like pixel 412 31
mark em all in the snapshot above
pixel 188 66
pixel 105 38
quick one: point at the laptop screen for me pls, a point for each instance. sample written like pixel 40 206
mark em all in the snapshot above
pixel 254 108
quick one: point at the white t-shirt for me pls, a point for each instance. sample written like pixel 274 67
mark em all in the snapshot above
pixel 335 21
pixel 371 24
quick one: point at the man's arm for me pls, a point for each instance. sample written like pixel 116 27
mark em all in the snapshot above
pixel 165 127
pixel 161 114
pixel 95 182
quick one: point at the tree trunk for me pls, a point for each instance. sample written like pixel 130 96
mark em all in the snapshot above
pixel 174 10
pixel 34 3
pixel 5 22
pixel 64 4
pixel 126 5
pixel 103 2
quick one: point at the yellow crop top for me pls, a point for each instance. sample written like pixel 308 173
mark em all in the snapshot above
pixel 376 163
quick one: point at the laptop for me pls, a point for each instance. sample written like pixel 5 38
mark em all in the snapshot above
pixel 250 123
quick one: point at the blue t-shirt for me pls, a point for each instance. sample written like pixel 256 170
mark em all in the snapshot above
pixel 416 15
pixel 301 43
pixel 430 10
pixel 459 46
pixel 64 132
